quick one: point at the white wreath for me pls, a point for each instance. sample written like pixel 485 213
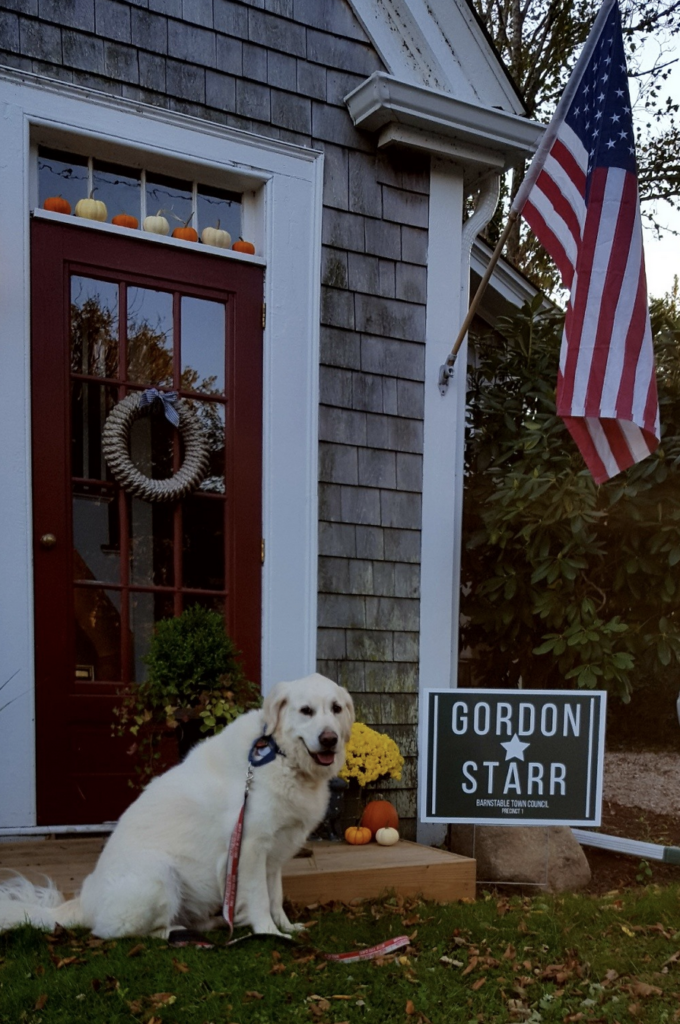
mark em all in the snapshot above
pixel 116 449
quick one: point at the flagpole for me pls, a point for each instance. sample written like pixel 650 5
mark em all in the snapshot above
pixel 446 369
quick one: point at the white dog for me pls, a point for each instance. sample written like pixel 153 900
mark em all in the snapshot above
pixel 164 865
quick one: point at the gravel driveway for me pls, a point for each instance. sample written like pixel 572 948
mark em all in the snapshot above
pixel 647 780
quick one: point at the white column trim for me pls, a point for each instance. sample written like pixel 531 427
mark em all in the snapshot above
pixel 286 183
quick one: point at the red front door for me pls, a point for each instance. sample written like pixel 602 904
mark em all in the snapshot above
pixel 111 315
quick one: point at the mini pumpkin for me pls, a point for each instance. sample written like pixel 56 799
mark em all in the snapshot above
pixel 216 236
pixel 186 233
pixel 379 814
pixel 91 208
pixel 157 225
pixel 355 835
pixel 57 204
pixel 243 246
pixel 125 220
pixel 387 836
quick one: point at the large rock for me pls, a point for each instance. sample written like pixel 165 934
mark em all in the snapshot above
pixel 548 855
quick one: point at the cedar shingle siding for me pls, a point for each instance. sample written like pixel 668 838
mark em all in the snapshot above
pixel 281 68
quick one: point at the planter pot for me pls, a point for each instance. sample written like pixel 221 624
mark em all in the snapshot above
pixel 331 827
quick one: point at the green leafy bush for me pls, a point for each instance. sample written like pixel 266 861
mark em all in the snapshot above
pixel 566 583
pixel 193 672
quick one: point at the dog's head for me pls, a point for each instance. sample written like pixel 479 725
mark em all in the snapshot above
pixel 311 720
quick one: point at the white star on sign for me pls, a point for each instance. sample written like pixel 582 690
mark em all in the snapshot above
pixel 514 748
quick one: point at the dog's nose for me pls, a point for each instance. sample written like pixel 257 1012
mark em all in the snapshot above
pixel 328 739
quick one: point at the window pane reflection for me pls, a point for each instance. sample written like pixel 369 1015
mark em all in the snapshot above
pixel 118 187
pixel 149 327
pixel 94 327
pixel 214 205
pixel 97 615
pixel 211 416
pixel 90 405
pixel 172 197
pixel 203 543
pixel 145 611
pixel 151 543
pixel 62 174
pixel 203 345
pixel 96 538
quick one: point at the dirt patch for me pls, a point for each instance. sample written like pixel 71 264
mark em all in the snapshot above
pixel 616 870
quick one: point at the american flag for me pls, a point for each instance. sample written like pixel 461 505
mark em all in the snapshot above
pixel 580 197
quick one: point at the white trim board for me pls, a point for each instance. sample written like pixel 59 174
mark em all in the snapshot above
pixel 286 226
pixel 633 847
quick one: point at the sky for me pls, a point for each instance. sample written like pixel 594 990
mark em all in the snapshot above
pixel 662 256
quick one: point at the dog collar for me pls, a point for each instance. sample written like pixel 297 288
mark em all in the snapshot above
pixel 264 750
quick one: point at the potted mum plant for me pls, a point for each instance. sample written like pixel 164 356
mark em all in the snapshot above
pixel 195 685
pixel 369 757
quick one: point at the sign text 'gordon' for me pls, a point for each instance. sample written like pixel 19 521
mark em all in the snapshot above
pixel 512 756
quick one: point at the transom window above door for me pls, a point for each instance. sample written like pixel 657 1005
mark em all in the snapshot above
pixel 137 192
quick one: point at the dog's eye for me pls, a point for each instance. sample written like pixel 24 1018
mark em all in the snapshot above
pixel 306 710
pixel 337 708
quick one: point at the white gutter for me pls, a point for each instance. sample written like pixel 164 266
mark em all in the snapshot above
pixel 382 100
pixel 634 847
pixel 21 832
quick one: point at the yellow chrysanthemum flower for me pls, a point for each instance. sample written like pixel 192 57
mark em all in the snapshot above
pixel 370 755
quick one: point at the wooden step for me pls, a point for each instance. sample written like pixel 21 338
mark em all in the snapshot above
pixel 334 871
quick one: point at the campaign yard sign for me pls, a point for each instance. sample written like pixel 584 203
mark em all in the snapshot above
pixel 503 757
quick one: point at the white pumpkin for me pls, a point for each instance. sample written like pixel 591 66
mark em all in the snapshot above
pixel 91 208
pixel 216 236
pixel 387 836
pixel 158 225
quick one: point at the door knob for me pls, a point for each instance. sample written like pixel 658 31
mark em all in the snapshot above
pixel 48 540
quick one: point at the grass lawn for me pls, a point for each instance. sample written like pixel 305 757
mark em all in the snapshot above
pixel 573 958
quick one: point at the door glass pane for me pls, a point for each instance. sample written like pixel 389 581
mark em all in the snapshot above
pixel 149 333
pixel 203 543
pixel 97 615
pixel 96 538
pixel 151 444
pixel 118 187
pixel 94 327
pixel 151 543
pixel 90 405
pixel 145 610
pixel 211 416
pixel 203 345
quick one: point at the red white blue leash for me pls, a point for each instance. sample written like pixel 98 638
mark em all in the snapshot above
pixel 262 752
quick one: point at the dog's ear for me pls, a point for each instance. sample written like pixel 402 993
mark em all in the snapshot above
pixel 273 705
pixel 347 716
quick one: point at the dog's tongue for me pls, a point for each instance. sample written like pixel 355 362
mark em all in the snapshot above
pixel 325 758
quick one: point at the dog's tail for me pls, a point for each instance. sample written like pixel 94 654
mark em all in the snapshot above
pixel 43 906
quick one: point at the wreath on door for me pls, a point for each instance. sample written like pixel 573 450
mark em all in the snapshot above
pixel 116 446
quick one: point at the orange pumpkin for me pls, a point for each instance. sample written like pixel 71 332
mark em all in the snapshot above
pixel 125 220
pixel 242 246
pixel 187 234
pixel 379 814
pixel 57 204
pixel 355 835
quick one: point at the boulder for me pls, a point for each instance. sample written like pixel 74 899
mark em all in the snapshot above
pixel 545 855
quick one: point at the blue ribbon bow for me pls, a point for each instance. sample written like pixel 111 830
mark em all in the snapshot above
pixel 167 400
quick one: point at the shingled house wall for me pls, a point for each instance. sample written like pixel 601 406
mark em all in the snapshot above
pixel 281 68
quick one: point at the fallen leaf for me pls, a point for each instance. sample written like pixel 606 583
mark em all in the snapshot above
pixel 410 1008
pixel 162 999
pixel 644 990
pixel 136 950
pixel 472 963
pixel 478 984
pixel 180 966
pixel 40 1001
pixel 510 952
pixel 628 931
pixel 249 996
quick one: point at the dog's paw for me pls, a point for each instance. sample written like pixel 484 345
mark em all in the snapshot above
pixel 290 927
